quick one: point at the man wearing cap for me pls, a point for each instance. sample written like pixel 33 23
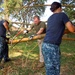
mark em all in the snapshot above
pixel 3 44
pixel 55 29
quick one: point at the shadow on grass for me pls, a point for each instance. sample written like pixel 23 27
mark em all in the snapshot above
pixel 25 58
pixel 24 61
pixel 21 65
pixel 68 58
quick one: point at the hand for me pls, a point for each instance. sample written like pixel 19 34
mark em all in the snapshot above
pixel 7 40
pixel 31 36
pixel 25 31
pixel 8 35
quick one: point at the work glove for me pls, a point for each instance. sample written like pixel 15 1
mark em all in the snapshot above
pixel 8 35
pixel 31 36
pixel 25 31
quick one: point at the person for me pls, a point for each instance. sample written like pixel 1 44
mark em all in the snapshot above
pixel 55 29
pixel 40 28
pixel 3 43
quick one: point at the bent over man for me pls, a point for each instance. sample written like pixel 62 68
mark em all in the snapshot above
pixel 3 44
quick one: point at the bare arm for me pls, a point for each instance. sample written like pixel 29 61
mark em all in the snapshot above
pixel 6 26
pixel 70 27
pixel 40 31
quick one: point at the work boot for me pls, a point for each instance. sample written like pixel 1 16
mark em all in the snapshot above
pixel 7 60
pixel 40 65
pixel 1 67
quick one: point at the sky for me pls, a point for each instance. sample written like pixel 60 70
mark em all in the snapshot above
pixel 47 12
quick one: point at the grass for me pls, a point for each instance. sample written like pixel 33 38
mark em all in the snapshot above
pixel 25 57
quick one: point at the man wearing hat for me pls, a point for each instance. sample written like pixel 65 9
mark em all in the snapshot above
pixel 3 43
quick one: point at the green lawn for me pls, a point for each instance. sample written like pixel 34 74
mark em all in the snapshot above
pixel 25 57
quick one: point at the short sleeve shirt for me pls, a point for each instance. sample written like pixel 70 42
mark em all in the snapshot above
pixel 55 27
pixel 2 29
pixel 37 27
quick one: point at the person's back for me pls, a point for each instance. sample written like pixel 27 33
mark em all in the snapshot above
pixel 2 29
pixel 55 28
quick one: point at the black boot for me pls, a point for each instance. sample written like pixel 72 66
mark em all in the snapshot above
pixel 7 60
pixel 1 67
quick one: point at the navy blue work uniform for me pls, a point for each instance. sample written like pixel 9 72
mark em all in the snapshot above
pixel 3 43
pixel 50 47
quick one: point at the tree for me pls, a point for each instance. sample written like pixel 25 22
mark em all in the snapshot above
pixel 70 10
pixel 23 10
pixel 28 9
pixel 0 2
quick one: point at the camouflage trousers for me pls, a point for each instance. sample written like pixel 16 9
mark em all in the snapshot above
pixel 51 55
pixel 3 49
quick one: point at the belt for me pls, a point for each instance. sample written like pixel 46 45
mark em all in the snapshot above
pixel 52 42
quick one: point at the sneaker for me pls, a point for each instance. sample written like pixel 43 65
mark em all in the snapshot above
pixel 7 60
pixel 40 65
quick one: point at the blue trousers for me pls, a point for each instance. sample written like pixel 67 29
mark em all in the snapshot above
pixel 51 55
pixel 3 49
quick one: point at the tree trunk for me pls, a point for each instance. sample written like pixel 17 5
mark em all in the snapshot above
pixel 38 37
pixel 6 15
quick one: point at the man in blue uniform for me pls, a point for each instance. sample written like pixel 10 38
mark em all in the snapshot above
pixel 3 44
pixel 55 29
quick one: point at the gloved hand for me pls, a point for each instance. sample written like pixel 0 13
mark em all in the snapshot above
pixel 25 31
pixel 31 36
pixel 8 35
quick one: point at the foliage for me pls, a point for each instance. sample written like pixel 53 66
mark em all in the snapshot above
pixel 8 7
pixel 29 9
pixel 23 10
pixel 70 9
pixel 12 4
